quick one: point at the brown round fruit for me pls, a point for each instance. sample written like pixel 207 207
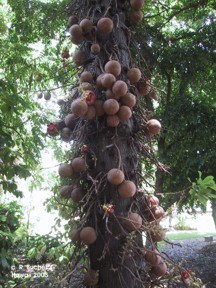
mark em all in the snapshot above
pixel 77 194
pixel 74 235
pixel 98 104
pixel 128 100
pixel 98 81
pixel 159 270
pixel 110 95
pixel 127 189
pixel 105 25
pixel 90 278
pixel 65 191
pixel 153 257
pixel 158 212
pixel 88 235
pixel 95 48
pixel 78 164
pixel 79 107
pixel 91 113
pixel 153 127
pixel 120 88
pixel 86 86
pixel 66 133
pixel 136 16
pixel 115 176
pixel 76 34
pixel 124 113
pixel 107 80
pixel 70 120
pixel 111 106
pixel 113 67
pixel 136 4
pixel 134 75
pixel 158 234
pixel 133 222
pixel 153 201
pixel 79 58
pixel 112 120
pixel 86 26
pixel 144 88
pixel 65 170
pixel 72 20
pixel 47 95
pixel 86 76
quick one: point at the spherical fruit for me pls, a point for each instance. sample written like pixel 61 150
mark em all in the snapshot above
pixel 107 80
pixel 105 25
pixel 112 120
pixel 79 107
pixel 95 48
pixel 90 278
pixel 115 176
pixel 78 164
pixel 79 58
pixel 158 212
pixel 120 88
pixel 74 235
pixel 136 16
pixel 86 76
pixel 86 86
pixel 76 34
pixel 124 113
pixel 136 4
pixel 111 106
pixel 157 234
pixel 65 170
pixel 153 257
pixel 86 26
pixel 98 104
pixel 159 270
pixel 127 189
pixel 47 95
pixel 153 127
pixel 77 194
pixel 128 100
pixel 65 191
pixel 88 235
pixel 98 82
pixel 91 113
pixel 133 222
pixel 70 120
pixel 153 201
pixel 113 67
pixel 66 133
pixel 72 20
pixel 134 75
pixel 110 95
pixel 40 95
pixel 144 88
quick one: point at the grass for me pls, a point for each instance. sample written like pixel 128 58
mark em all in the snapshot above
pixel 183 235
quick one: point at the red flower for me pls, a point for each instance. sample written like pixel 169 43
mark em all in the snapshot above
pixel 109 209
pixel 89 97
pixel 84 149
pixel 52 129
pixel 185 274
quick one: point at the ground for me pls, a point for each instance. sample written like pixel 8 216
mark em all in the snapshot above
pixel 199 256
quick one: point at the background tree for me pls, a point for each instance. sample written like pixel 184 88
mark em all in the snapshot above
pixel 180 49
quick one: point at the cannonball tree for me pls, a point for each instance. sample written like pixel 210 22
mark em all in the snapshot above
pixel 110 135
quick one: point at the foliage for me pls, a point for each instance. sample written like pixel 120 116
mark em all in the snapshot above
pixel 201 191
pixel 10 216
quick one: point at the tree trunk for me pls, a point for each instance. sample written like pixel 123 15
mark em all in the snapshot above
pixel 213 205
pixel 117 254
